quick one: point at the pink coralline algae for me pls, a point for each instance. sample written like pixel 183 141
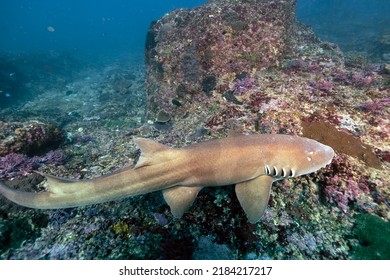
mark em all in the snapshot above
pixel 323 85
pixel 299 65
pixel 344 193
pixel 14 164
pixel 376 106
pixel 241 86
pixel 358 79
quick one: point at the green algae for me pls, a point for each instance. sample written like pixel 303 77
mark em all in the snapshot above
pixel 373 234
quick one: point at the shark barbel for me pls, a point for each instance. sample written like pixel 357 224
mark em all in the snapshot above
pixel 252 163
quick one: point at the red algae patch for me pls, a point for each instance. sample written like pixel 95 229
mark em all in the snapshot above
pixel 341 141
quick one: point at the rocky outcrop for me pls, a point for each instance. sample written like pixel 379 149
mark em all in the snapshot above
pixel 31 138
pixel 194 54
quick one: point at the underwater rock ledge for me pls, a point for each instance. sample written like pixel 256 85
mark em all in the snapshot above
pixel 193 54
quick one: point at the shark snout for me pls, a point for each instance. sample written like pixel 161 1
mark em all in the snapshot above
pixel 327 153
pixel 318 156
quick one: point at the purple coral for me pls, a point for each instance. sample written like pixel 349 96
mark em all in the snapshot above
pixel 53 157
pixel 341 77
pixel 161 219
pixel 376 106
pixel 358 79
pixel 13 164
pixel 324 85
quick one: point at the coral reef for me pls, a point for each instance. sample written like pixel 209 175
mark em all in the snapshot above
pixel 16 228
pixel 224 68
pixel 14 165
pixel 32 138
pixel 199 50
pixel 292 84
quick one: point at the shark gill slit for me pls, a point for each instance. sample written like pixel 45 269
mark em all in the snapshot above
pixel 275 172
pixel 267 170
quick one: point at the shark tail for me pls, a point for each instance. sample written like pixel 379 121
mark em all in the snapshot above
pixel 55 196
pixel 27 199
pixel 66 193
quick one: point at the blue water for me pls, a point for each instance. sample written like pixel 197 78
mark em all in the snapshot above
pixel 119 26
pixel 355 25
pixel 83 26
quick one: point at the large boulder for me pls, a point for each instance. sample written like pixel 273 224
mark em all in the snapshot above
pixel 31 138
pixel 195 54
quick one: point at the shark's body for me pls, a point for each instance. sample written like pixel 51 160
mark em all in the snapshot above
pixel 252 163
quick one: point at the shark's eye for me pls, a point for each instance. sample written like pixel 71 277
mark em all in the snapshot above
pixel 283 172
pixel 275 173
pixel 266 169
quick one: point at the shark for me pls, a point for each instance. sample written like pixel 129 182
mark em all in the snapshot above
pixel 250 162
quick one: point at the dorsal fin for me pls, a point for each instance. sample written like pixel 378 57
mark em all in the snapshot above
pixel 149 149
pixel 149 146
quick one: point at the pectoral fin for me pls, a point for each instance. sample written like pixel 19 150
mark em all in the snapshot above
pixel 180 199
pixel 253 196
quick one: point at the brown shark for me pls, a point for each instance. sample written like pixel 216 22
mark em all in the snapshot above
pixel 252 163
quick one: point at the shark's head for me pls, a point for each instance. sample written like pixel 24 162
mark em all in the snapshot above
pixel 314 156
pixel 282 156
pixel 297 156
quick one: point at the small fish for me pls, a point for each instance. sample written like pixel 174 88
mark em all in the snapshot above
pixel 50 29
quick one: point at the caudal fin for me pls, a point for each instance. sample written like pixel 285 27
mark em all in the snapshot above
pixel 60 193
pixel 27 199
